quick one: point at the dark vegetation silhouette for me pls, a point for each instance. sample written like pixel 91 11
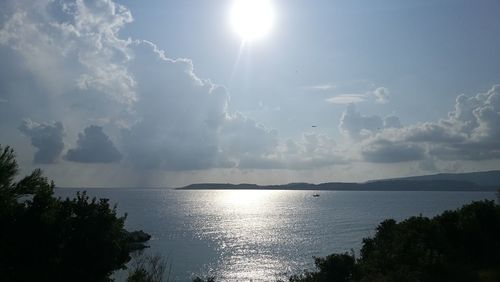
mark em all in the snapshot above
pixel 335 267
pixel 148 268
pixel 45 238
pixel 208 279
pixel 460 245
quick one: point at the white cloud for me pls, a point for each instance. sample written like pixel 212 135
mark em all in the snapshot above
pixel 322 87
pixel 81 48
pixel 392 122
pixel 471 132
pixel 347 99
pixel 381 95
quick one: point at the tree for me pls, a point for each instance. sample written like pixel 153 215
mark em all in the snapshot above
pixel 332 268
pixel 44 238
pixel 460 245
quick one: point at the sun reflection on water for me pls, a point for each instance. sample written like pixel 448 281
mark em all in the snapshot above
pixel 248 232
pixel 246 198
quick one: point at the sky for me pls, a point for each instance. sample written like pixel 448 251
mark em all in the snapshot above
pixel 123 93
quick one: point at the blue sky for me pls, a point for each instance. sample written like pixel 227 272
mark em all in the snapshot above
pixel 115 93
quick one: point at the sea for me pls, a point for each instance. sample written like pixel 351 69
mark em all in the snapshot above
pixel 262 235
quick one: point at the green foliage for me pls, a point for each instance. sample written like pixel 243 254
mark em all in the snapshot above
pixel 461 245
pixel 45 238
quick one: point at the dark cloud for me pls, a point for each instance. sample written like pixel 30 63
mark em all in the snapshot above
pixel 48 139
pixel 428 164
pixel 356 126
pixel 93 146
pixel 469 150
pixel 384 151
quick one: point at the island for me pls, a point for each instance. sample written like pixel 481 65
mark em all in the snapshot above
pixel 472 181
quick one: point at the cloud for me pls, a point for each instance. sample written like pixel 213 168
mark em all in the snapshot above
pixel 93 146
pixel 322 87
pixel 179 115
pixel 384 151
pixel 428 164
pixel 160 113
pixel 185 123
pixel 184 120
pixel 347 99
pixel 73 42
pixel 381 95
pixel 313 151
pixel 356 126
pixel 48 139
pixel 156 108
pixel 70 64
pixel 470 132
pixel 434 133
pixel 241 135
pixel 392 122
pixel 310 152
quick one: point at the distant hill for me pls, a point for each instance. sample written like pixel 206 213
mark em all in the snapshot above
pixel 481 178
pixel 473 181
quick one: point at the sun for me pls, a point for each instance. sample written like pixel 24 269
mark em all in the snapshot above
pixel 252 19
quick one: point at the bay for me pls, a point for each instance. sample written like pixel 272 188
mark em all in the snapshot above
pixel 262 235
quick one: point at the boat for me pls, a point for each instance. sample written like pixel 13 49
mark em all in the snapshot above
pixel 316 195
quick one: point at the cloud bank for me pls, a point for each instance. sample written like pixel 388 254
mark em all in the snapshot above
pixel 160 113
pixel 470 132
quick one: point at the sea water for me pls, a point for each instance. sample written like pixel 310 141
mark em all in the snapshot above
pixel 256 235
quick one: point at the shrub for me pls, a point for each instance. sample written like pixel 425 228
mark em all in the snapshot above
pixel 45 238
